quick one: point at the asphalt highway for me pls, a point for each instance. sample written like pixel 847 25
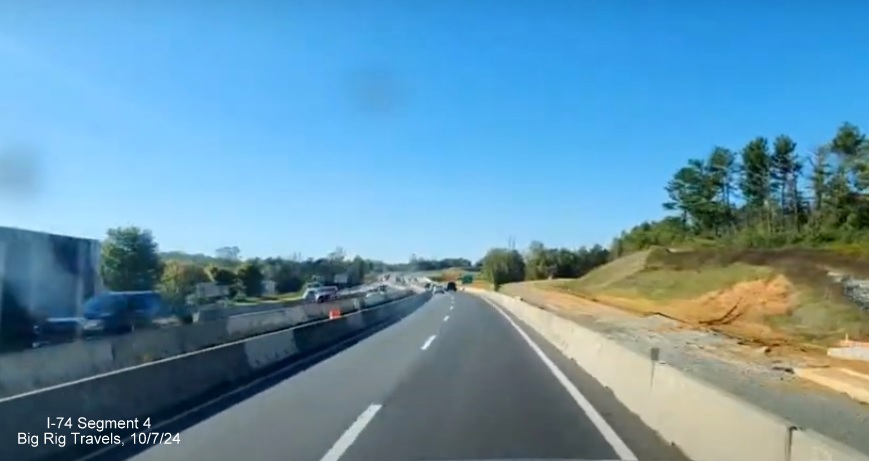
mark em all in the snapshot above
pixel 456 380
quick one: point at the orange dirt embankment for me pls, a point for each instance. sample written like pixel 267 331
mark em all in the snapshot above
pixel 737 311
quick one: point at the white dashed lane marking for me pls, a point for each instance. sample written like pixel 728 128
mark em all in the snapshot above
pixel 428 342
pixel 349 436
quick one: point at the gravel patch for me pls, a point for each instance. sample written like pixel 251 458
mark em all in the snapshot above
pixel 720 360
pixel 857 290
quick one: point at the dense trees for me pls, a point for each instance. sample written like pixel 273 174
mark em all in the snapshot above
pixel 250 278
pixel 766 194
pixel 501 265
pixel 421 264
pixel 548 263
pixel 221 275
pixel 178 280
pixel 131 261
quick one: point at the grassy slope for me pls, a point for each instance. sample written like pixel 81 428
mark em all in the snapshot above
pixel 756 294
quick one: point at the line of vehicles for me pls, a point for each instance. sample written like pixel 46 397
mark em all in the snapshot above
pixel 440 288
pixel 112 313
pixel 316 292
pixel 115 313
pixel 107 313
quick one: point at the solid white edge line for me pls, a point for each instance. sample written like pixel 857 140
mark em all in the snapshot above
pixel 349 436
pixel 446 318
pixel 428 342
pixel 616 442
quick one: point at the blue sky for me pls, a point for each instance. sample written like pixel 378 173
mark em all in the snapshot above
pixel 397 127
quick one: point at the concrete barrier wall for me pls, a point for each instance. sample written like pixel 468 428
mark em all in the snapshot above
pixel 37 368
pixel 152 388
pixel 808 445
pixel 706 423
pixel 215 312
pixel 24 371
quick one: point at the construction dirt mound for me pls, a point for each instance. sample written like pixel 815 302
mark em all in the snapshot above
pixel 746 301
pixel 743 309
pixel 762 296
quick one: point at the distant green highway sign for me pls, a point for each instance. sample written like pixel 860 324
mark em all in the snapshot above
pixel 467 279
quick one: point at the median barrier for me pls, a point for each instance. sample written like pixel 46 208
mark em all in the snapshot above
pixel 158 388
pixel 265 321
pixel 808 445
pixel 374 298
pixel 214 312
pixel 32 369
pixel 119 395
pixel 265 350
pixel 706 423
pixel 148 345
pixel 37 368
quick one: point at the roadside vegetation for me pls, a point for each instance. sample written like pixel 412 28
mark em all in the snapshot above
pixel 503 265
pixel 768 242
pixel 131 261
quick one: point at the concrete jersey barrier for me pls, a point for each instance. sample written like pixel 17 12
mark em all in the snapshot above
pixel 152 388
pixel 706 423
pixel 37 368
pixel 215 312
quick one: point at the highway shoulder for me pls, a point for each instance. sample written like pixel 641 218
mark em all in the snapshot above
pixel 640 438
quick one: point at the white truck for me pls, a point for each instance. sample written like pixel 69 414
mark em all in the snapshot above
pixel 320 294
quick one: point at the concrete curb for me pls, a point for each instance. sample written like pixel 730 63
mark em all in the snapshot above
pixel 154 388
pixel 706 423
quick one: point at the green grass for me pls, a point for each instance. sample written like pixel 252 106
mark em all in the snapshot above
pixel 610 273
pixel 661 275
pixel 668 284
pixel 823 316
pixel 820 313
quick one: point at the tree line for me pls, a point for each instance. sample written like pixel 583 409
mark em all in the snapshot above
pixel 421 264
pixel 131 261
pixel 505 265
pixel 766 194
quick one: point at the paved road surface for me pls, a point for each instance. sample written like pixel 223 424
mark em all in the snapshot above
pixel 455 380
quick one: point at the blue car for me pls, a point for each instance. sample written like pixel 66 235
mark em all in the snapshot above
pixel 121 312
